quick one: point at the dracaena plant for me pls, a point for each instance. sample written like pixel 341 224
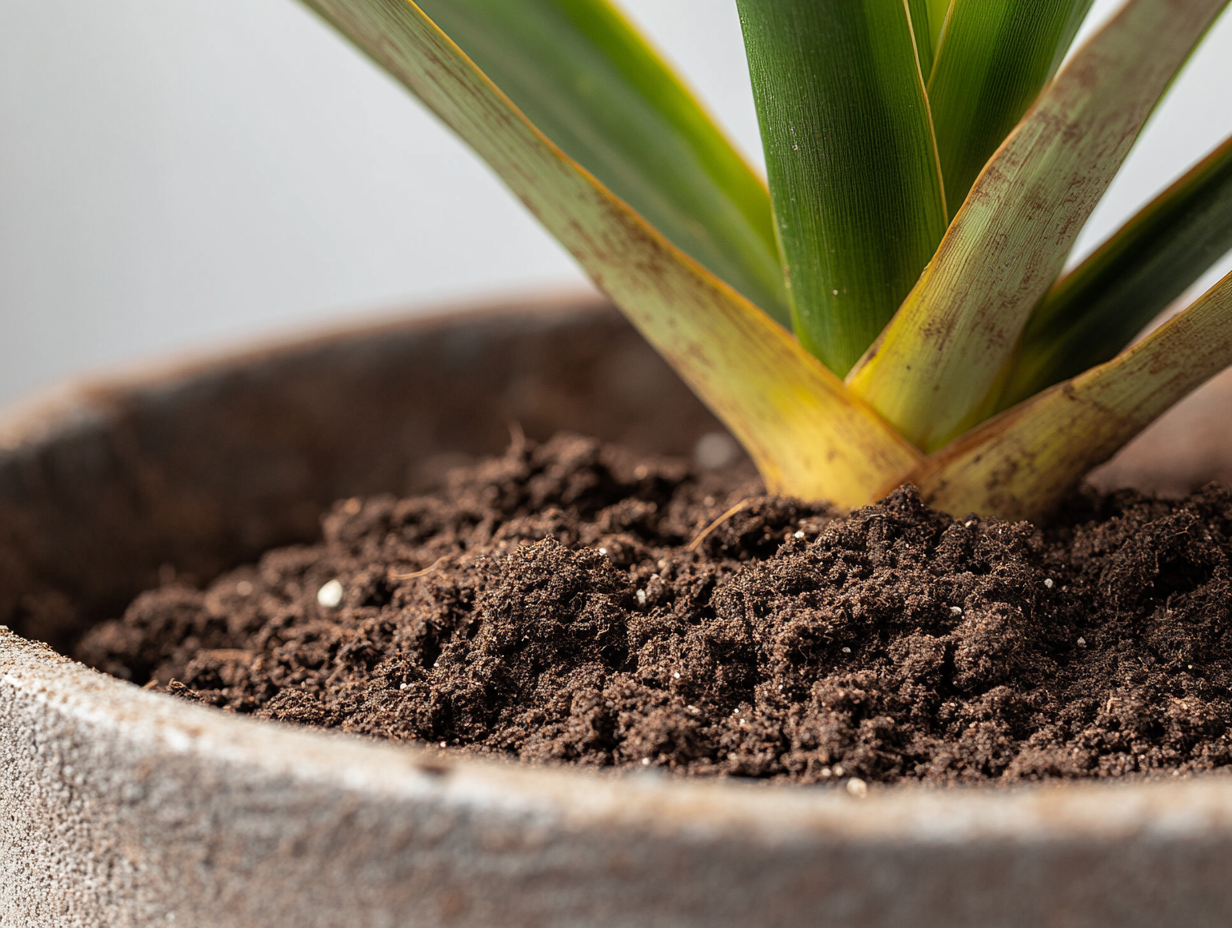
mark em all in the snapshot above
pixel 891 308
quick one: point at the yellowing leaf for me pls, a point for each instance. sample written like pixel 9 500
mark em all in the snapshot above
pixel 581 73
pixel 939 366
pixel 1022 463
pixel 806 434
pixel 1095 310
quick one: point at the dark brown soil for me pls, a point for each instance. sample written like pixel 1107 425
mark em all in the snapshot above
pixel 550 606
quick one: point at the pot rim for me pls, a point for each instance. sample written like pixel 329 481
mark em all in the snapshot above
pixel 647 801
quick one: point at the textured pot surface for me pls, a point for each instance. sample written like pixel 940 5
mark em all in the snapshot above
pixel 123 807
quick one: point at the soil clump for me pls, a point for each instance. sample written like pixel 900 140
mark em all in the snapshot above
pixel 564 604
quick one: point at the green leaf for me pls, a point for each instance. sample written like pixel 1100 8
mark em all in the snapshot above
pixel 1095 310
pixel 853 168
pixel 592 84
pixel 996 56
pixel 1021 464
pixel 939 367
pixel 920 12
pixel 798 423
pixel 927 23
pixel 938 15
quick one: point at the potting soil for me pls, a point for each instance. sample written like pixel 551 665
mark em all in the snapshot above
pixel 571 603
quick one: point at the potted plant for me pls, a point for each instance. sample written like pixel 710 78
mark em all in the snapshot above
pixel 919 335
pixel 921 238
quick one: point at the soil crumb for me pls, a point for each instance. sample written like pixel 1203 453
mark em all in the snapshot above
pixel 565 603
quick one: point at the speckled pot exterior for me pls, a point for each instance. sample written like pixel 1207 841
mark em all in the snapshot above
pixel 123 807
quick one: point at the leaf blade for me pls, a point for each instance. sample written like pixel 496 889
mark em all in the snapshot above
pixel 938 15
pixel 996 56
pixel 921 12
pixel 809 437
pixel 1020 464
pixel 1095 310
pixel 592 84
pixel 854 178
pixel 939 366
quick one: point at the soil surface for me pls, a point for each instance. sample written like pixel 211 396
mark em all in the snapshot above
pixel 566 603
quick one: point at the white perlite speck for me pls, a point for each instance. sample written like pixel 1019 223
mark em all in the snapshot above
pixel 857 787
pixel 1048 582
pixel 641 597
pixel 956 610
pixel 330 595
pixel 715 450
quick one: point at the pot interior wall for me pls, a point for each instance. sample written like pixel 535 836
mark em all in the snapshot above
pixel 200 468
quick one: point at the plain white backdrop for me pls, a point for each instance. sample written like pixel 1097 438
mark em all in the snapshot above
pixel 179 175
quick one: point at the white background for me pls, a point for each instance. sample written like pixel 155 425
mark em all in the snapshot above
pixel 178 175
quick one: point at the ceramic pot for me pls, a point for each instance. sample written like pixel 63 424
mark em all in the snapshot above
pixel 124 807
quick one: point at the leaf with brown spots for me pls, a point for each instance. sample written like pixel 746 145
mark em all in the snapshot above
pixel 937 368
pixel 1022 463
pixel 805 432
pixel 1096 310
pixel 588 80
